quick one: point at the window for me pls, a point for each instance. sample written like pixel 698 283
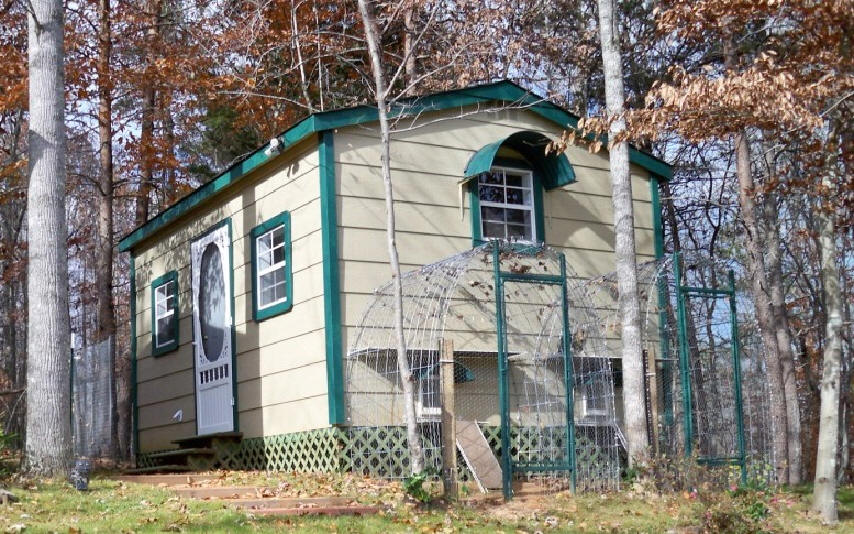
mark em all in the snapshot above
pixel 271 267
pixel 507 204
pixel 429 405
pixel 164 310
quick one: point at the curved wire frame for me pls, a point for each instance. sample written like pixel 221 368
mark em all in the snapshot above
pixel 455 299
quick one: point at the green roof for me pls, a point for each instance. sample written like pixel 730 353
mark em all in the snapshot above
pixel 503 91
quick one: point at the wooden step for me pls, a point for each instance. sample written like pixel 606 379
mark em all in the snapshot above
pixel 226 492
pixel 159 469
pixel 290 502
pixel 322 510
pixel 207 439
pixel 169 480
pixel 197 451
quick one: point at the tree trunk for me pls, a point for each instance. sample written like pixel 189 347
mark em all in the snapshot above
pixel 783 337
pixel 106 328
pixel 759 284
pixel 624 239
pixel 413 435
pixel 48 439
pixel 149 97
pixel 824 489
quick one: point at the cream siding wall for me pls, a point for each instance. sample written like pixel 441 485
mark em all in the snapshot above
pixel 427 163
pixel 280 362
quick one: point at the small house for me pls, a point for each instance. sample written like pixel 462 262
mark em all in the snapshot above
pixel 248 292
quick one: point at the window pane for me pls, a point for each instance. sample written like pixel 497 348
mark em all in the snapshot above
pixel 515 196
pixel 166 330
pixel 492 177
pixel 280 292
pixel 517 216
pixel 493 230
pixel 492 214
pixel 518 231
pixel 491 194
pixel 514 180
pixel 279 254
pixel 278 235
pixel 268 296
pixel 263 246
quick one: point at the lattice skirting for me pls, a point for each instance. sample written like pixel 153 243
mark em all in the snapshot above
pixel 376 451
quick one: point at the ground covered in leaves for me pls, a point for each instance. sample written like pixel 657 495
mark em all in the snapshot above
pixel 112 506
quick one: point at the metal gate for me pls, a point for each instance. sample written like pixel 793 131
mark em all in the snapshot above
pixel 710 372
pixel 535 382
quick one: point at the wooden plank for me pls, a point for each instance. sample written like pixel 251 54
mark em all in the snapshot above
pixel 478 455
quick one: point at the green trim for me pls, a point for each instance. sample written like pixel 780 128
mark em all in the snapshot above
pixel 503 384
pixel 503 91
pixel 282 219
pixel 683 357
pixel 236 403
pixel 539 211
pixel 133 363
pixel 554 169
pixel 663 333
pixel 736 366
pixel 331 279
pixel 657 224
pixel 171 276
pixel 568 375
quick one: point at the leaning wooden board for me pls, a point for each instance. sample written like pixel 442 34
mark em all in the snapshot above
pixel 478 455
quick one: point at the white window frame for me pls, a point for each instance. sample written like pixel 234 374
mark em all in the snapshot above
pixel 514 171
pixel 273 266
pixel 161 296
pixel 430 413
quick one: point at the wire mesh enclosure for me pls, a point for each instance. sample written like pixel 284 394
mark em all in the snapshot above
pixel 707 390
pixel 93 401
pixel 516 318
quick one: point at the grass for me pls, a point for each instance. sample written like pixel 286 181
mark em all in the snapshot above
pixel 115 507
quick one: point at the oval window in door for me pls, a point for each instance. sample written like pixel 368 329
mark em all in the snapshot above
pixel 212 302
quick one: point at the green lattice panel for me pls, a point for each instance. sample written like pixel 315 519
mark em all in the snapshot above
pixel 311 451
pixel 383 451
pixel 144 459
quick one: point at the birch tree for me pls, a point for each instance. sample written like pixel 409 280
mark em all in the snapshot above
pixel 413 435
pixel 48 427
pixel 824 489
pixel 624 237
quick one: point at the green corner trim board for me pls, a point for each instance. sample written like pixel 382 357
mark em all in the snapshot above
pixel 504 91
pixel 331 279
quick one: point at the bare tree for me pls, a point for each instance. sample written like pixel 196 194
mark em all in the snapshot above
pixel 624 237
pixel 824 490
pixel 372 36
pixel 48 427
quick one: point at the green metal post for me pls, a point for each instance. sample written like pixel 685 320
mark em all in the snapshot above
pixel 503 400
pixel 736 366
pixel 568 375
pixel 683 356
pixel 663 334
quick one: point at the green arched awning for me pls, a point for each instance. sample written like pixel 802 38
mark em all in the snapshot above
pixel 554 169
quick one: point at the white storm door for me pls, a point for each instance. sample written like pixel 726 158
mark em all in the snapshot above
pixel 212 329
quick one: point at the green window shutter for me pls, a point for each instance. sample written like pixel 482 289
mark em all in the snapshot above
pixel 260 313
pixel 158 349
